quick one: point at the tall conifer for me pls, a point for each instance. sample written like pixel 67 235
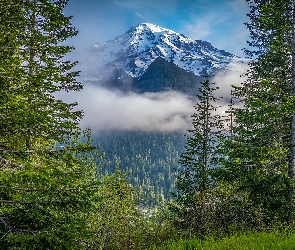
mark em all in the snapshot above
pixel 47 180
pixel 193 182
pixel 259 150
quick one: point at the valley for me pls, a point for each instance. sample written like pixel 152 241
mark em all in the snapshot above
pixel 148 59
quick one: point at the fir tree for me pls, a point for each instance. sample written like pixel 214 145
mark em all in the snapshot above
pixel 48 182
pixel 259 149
pixel 193 182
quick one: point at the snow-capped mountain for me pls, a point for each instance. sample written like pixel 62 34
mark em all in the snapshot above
pixel 137 48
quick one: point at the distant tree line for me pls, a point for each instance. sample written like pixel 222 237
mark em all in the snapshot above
pixel 149 160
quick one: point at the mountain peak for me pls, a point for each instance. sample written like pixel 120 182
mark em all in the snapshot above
pixel 151 27
pixel 138 47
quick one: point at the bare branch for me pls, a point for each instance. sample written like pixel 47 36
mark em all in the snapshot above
pixel 12 163
pixel 15 201
pixel 14 229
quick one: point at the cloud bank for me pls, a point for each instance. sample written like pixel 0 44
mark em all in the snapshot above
pixel 224 81
pixel 232 77
pixel 109 109
pixel 112 110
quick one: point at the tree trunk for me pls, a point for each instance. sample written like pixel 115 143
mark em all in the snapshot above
pixel 31 70
pixel 292 141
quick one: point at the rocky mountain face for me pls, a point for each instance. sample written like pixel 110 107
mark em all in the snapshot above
pixel 126 59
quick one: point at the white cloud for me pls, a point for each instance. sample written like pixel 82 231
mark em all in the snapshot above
pixel 198 30
pixel 234 76
pixel 162 111
pixel 201 26
pixel 110 110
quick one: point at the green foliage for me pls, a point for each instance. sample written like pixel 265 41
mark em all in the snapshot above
pixel 46 198
pixel 47 180
pixel 121 222
pixel 201 147
pixel 194 185
pixel 32 70
pixel 257 153
pixel 220 212
pixel 147 158
pixel 116 220
pixel 162 75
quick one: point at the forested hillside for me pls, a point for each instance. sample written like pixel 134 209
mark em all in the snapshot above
pixel 162 75
pixel 149 159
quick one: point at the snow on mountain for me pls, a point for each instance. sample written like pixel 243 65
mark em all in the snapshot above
pixel 137 48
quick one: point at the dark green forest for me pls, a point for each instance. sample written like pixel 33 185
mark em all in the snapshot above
pixel 63 188
pixel 149 159
pixel 160 76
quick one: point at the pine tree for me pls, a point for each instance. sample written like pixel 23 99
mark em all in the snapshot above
pixel 259 149
pixel 193 182
pixel 48 182
pixel 291 168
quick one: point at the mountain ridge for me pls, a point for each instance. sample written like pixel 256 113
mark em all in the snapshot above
pixel 135 50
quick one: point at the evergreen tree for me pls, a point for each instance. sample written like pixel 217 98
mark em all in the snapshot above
pixel 194 183
pixel 291 168
pixel 259 149
pixel 48 182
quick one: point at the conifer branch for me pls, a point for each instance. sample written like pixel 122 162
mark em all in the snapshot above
pixel 14 229
pixel 12 163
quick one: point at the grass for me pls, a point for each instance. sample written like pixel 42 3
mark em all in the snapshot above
pixel 246 241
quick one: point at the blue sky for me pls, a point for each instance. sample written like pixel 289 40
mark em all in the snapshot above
pixel 217 21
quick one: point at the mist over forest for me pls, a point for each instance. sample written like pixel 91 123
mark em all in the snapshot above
pixel 115 109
